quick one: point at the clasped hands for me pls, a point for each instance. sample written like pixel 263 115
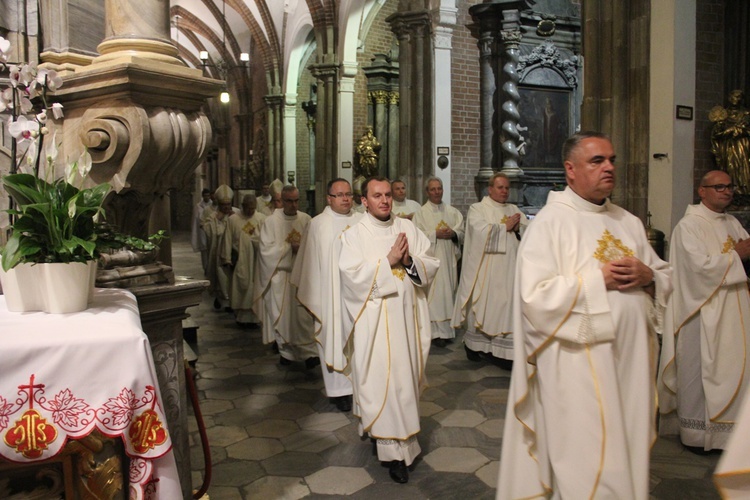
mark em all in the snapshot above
pixel 444 233
pixel 626 273
pixel 399 253
pixel 513 222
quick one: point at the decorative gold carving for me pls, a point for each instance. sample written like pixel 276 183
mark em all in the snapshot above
pixel 394 98
pixel 611 248
pixel 729 244
pixel 379 96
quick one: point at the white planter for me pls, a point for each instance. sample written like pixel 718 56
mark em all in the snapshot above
pixel 52 288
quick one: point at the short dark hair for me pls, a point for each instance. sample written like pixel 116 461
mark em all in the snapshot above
pixel 574 140
pixel 205 191
pixel 288 189
pixel 334 181
pixel 377 178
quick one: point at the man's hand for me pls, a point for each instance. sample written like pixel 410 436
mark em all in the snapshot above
pixel 742 248
pixel 627 273
pixel 445 233
pixel 399 251
pixel 295 247
pixel 512 223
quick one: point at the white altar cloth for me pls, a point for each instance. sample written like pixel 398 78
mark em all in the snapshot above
pixel 64 375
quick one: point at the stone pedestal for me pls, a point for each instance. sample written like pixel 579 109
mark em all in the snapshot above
pixel 162 309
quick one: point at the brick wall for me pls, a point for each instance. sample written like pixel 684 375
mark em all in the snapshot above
pixel 465 126
pixel 709 81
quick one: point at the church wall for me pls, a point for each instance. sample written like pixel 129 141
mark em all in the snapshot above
pixel 259 112
pixel 303 181
pixel 378 41
pixel 709 81
pixel 465 126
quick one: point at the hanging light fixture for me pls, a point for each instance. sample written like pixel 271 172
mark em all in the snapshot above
pixel 225 66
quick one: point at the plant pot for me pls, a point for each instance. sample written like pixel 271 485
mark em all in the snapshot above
pixel 52 288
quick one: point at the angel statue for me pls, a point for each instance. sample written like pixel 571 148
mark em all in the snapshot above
pixel 368 148
pixel 730 140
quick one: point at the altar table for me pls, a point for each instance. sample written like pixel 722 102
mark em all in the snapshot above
pixel 64 375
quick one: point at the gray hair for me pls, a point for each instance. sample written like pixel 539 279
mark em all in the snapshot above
pixel 433 178
pixel 574 140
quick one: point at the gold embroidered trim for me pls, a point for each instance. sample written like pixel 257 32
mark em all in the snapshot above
pixel 442 225
pixel 504 219
pixel 729 244
pixel 399 272
pixel 249 228
pixel 293 237
pixel 611 248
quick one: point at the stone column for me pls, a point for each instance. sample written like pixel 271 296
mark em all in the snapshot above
pixel 393 133
pixel 416 88
pixel 274 104
pixel 138 110
pixel 326 129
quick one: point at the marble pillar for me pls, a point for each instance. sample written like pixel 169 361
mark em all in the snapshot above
pixel 326 129
pixel 137 108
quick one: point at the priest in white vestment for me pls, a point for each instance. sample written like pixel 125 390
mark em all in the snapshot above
pixel 732 474
pixel 444 227
pixel 386 267
pixel 316 276
pixel 285 320
pixel 581 409
pixel 198 238
pixel 214 223
pixel 403 207
pixel 357 190
pixel 240 255
pixel 704 373
pixel 484 297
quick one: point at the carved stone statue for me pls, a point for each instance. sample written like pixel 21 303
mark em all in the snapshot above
pixel 368 148
pixel 730 140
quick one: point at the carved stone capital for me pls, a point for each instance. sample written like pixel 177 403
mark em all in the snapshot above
pixel 511 37
pixel 378 96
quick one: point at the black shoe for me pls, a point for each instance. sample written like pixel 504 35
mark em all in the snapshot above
pixel 275 347
pixel 343 403
pixel 472 355
pixel 398 471
pixel 439 342
pixel 217 305
pixel 283 361
pixel 311 363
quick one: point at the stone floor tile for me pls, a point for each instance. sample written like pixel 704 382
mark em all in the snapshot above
pixel 229 393
pixel 235 473
pixel 493 427
pixel 489 473
pixel 272 428
pixel 293 411
pixel 459 418
pixel 214 406
pixel 277 487
pixel 310 441
pixel 448 459
pixel 221 435
pixel 255 449
pixel 256 401
pixel 220 373
pixel 328 422
pixel 225 493
pixel 293 463
pixel 428 408
pixel 338 480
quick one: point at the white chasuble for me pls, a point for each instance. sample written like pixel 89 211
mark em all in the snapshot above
pixel 581 407
pixel 387 320
pixel 218 276
pixel 284 319
pixel 703 374
pixel 429 219
pixel 487 272
pixel 240 252
pixel 405 209
pixel 316 276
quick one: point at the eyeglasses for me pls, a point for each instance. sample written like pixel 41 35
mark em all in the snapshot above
pixel 720 188
pixel 342 195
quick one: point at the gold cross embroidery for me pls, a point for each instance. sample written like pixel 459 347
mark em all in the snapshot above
pixel 729 244
pixel 441 225
pixel 611 248
pixel 249 228
pixel 294 237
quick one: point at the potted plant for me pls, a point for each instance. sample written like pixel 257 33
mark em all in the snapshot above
pixel 53 220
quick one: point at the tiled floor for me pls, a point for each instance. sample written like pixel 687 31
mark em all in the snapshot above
pixel 274 435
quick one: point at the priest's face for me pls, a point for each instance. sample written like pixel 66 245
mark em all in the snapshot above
pixel 713 199
pixel 399 191
pixel 435 192
pixel 340 197
pixel 290 202
pixel 249 207
pixel 379 199
pixel 590 169
pixel 499 190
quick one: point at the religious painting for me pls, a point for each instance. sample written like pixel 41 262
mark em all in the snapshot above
pixel 546 113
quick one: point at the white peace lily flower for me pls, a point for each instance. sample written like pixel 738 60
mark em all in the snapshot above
pixel 4 48
pixel 72 208
pixel 84 163
pixel 57 110
pixel 31 153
